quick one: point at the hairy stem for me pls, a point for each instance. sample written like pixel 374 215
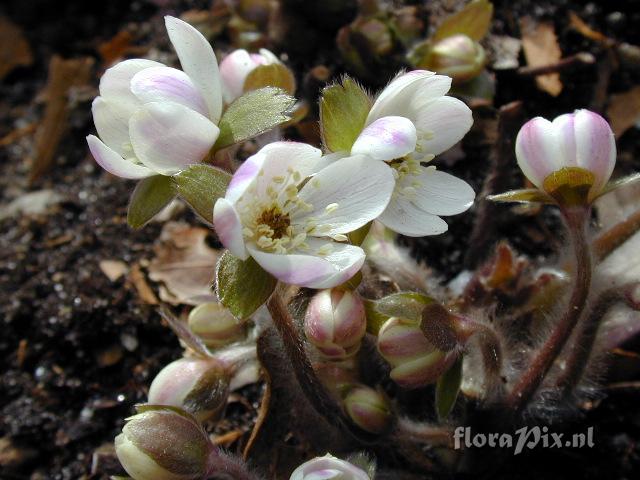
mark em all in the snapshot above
pixel 311 386
pixel 576 220
pixel 227 467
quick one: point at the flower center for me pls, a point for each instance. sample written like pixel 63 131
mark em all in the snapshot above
pixel 277 221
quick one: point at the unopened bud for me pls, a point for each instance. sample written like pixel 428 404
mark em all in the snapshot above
pixel 336 376
pixel 457 56
pixel 416 362
pixel 199 386
pixel 328 468
pixel 164 443
pixel 335 323
pixel 215 325
pixel 368 409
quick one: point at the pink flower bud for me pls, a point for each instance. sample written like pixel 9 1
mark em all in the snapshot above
pixel 335 323
pixel 236 66
pixel 215 325
pixel 415 361
pixel 328 468
pixel 457 56
pixel 199 386
pixel 571 158
pixel 368 409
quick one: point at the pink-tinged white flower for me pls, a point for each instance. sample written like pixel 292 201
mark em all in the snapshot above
pixel 368 409
pixel 236 66
pixel 153 119
pixel 335 323
pixel 575 150
pixel 328 468
pixel 294 226
pixel 410 123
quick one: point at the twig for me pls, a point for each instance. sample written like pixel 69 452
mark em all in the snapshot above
pixel 608 241
pixel 567 63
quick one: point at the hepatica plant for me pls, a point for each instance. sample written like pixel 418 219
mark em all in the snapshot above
pixel 309 233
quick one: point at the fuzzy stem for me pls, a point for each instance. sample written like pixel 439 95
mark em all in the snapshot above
pixel 585 337
pixel 311 386
pixel 490 347
pixel 576 220
pixel 224 466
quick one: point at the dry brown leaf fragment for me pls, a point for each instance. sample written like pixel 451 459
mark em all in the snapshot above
pixel 541 48
pixel 624 110
pixel 113 269
pixel 585 30
pixel 184 264
pixel 14 48
pixel 116 47
pixel 138 280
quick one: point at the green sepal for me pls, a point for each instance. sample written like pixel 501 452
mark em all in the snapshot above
pixel 473 21
pixel 242 286
pixel 357 236
pixel 407 305
pixel 525 195
pixel 148 199
pixel 200 186
pixel 254 113
pixel 375 319
pixel 620 182
pixel 447 389
pixel 273 75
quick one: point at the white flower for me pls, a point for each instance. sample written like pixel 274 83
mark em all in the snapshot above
pixel 580 140
pixel 410 123
pixel 328 468
pixel 236 66
pixel 153 119
pixel 293 225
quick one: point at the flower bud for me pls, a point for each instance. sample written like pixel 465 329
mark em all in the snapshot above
pixel 199 386
pixel 335 323
pixel 164 443
pixel 457 56
pixel 368 409
pixel 416 362
pixel 328 468
pixel 215 325
pixel 338 377
pixel 571 158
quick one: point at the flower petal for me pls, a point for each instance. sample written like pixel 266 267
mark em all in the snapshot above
pixel 307 269
pixel 227 225
pixel 198 61
pixel 440 193
pixel 115 84
pixel 167 137
pixel 406 218
pixel 114 163
pixel 445 121
pixel 386 139
pixel 166 84
pixel 537 150
pixel 347 194
pixel 234 70
pixel 407 92
pixel 595 146
pixel 112 124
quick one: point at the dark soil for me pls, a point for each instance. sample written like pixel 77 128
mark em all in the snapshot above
pixel 78 350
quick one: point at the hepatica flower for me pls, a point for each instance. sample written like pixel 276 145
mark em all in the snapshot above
pixel 410 123
pixel 236 67
pixel 293 221
pixel 153 119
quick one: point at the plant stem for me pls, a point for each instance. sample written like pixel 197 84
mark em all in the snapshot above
pixel 311 386
pixel 576 220
pixel 491 349
pixel 228 467
pixel 607 242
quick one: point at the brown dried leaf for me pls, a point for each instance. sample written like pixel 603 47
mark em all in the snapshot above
pixel 116 47
pixel 185 264
pixel 624 110
pixel 585 30
pixel 63 76
pixel 541 48
pixel 14 48
pixel 137 278
pixel 113 269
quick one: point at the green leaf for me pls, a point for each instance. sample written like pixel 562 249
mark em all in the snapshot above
pixel 407 305
pixel 242 286
pixel 620 182
pixel 473 21
pixel 526 195
pixel 447 389
pixel 343 113
pixel 254 113
pixel 150 196
pixel 200 186
pixel 375 319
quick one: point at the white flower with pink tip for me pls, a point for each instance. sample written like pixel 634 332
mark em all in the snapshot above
pixel 153 119
pixel 410 123
pixel 328 468
pixel 580 140
pixel 292 216
pixel 236 67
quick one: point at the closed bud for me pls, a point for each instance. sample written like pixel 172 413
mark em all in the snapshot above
pixel 416 362
pixel 335 323
pixel 336 376
pixel 368 409
pixel 199 386
pixel 215 325
pixel 457 56
pixel 328 468
pixel 163 443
